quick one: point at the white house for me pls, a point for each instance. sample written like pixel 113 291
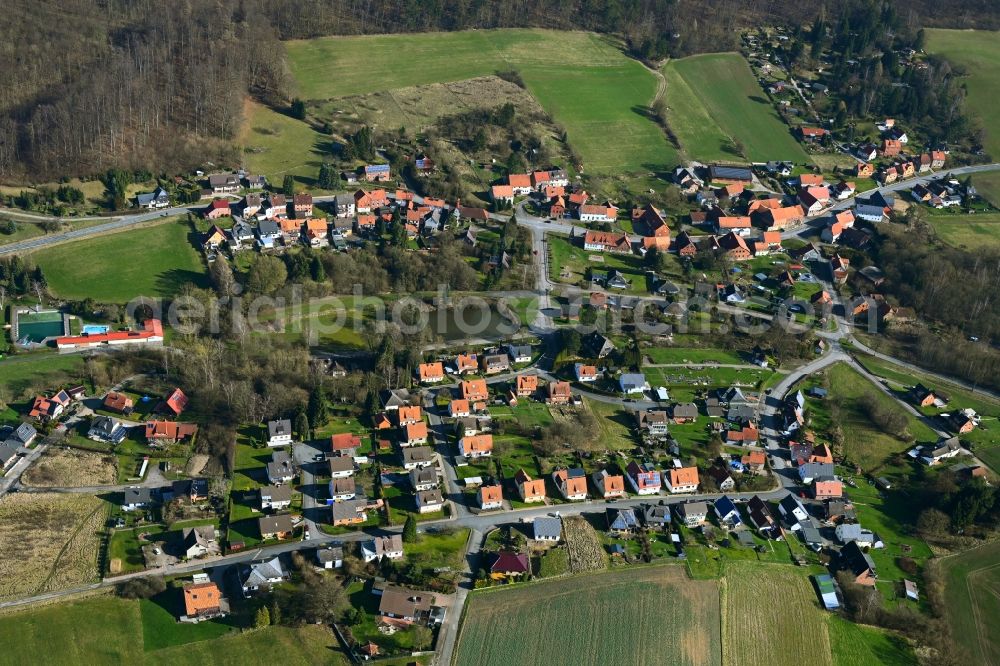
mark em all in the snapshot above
pixel 633 383
pixel 275 497
pixel 429 501
pixel 279 433
pixel 853 532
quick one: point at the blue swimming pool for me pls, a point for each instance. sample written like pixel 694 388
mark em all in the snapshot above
pixel 94 329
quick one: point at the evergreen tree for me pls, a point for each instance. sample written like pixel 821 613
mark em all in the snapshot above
pixel 298 109
pixel 262 618
pixel 302 425
pixel 316 270
pixel 410 529
pixel 288 186
pixel 327 178
pixel 317 410
pixel 275 613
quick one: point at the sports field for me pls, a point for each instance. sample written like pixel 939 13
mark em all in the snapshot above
pixel 979 53
pixel 772 617
pixel 970 232
pixel 581 79
pixel 154 261
pixel 106 630
pixel 972 597
pixel 652 615
pixel 714 100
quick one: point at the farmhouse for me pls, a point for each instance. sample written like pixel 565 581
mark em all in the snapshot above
pixel 601 241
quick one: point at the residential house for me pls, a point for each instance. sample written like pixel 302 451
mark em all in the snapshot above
pixel 268 233
pixel 199 542
pixel 734 247
pixel 490 497
pixel 644 478
pixel 859 564
pixel 740 225
pixel 725 174
pixel 812 471
pixel 609 485
pixel 476 446
pixel 745 436
pixel 656 516
pixel 684 412
pixel 408 415
pixel 526 385
pixel 459 409
pixel 202 601
pixel 693 513
pixel 275 498
pixel 376 173
pixel 727 512
pixel 945 448
pixel 783 218
pixel 278 526
pixel 405 606
pixel 217 209
pixel 302 206
pixel 571 483
pixel 529 489
pixel 330 557
pixel 653 422
pixel 279 432
pixel 191 491
pixel 44 409
pixel 158 198
pixel 631 383
pixel 430 373
pixel 429 501
pixel 136 498
pixel 345 444
pixel 20 436
pixel 342 489
pixel 417 456
pixel 722 477
pixel 509 565
pixel 682 480
pixel 413 434
pixel 423 478
pixel 809 533
pixel 792 509
pixel 865 169
pixel 118 402
pixel 828 488
pixel 547 529
pixel 175 403
pixel 224 183
pixel 465 363
pixel 260 576
pixel 163 433
pixel 345 206
pixel 621 521
pixel 602 213
pixel 839 510
pixel 852 532
pixel 585 373
pixel 761 518
pixel 107 429
pixel 351 512
pixel 474 390
pixel 559 393
pixel 754 461
pixel 281 469
pixel 495 363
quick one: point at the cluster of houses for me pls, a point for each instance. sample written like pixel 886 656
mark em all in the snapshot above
pixel 898 164
pixel 943 192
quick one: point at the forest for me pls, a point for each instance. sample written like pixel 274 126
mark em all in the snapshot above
pixel 93 84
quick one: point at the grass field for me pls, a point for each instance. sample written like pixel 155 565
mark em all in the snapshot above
pixel 971 232
pixel 56 534
pixel 581 79
pixel 979 53
pixel 652 615
pixel 106 630
pixel 714 99
pixel 23 375
pixel 857 645
pixel 771 616
pixel 154 261
pixel 972 597
pixel 988 186
pixel 864 443
pixel 277 145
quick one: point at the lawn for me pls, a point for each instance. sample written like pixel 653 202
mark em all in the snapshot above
pixel 106 630
pixel 972 599
pixel 669 355
pixel 714 99
pixel 778 607
pixel 541 623
pixel 858 645
pixel 568 263
pixel 615 424
pixel 978 52
pixel 581 79
pixel 26 374
pixel 864 443
pixel 154 261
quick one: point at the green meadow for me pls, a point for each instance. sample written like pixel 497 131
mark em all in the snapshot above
pixel 715 101
pixel 582 80
pixel 978 52
pixel 152 261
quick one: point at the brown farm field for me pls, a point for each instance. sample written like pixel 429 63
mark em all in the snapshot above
pixel 772 617
pixel 56 534
pixel 641 616
pixel 59 467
